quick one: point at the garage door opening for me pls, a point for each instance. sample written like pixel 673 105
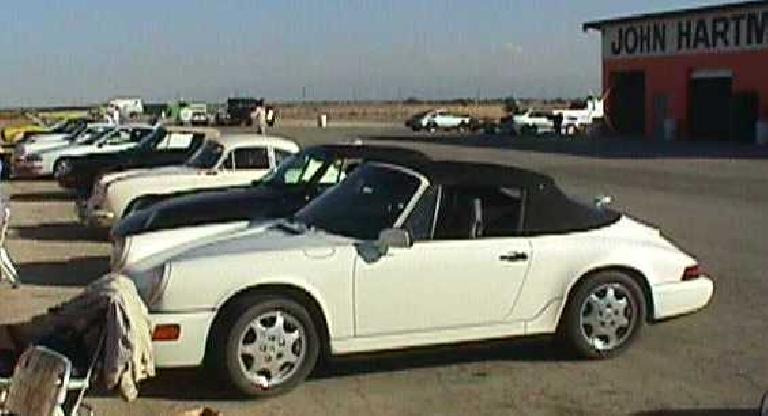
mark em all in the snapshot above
pixel 628 102
pixel 710 105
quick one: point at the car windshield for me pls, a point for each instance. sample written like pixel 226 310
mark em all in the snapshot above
pixel 92 134
pixel 67 127
pixel 207 156
pixel 151 140
pixel 369 200
pixel 305 168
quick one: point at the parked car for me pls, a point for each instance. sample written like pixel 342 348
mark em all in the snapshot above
pixel 532 122
pixel 199 118
pixel 581 114
pixel 438 119
pixel 130 107
pixel 238 112
pixel 165 146
pixel 13 134
pixel 156 226
pixel 220 162
pixel 35 144
pixel 37 162
pixel 408 254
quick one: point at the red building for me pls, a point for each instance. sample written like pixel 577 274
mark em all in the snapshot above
pixel 692 74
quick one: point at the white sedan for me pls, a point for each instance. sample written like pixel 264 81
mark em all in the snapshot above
pixel 221 162
pixel 407 254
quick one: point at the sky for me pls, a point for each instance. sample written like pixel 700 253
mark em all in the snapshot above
pixel 70 52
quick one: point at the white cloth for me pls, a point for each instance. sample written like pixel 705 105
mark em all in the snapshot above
pixel 127 358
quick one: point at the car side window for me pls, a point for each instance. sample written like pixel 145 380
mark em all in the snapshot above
pixel 421 219
pixel 479 212
pixel 251 158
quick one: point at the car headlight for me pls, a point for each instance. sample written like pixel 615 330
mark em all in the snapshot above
pixel 151 283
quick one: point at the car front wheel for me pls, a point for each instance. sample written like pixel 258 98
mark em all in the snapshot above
pixel 604 315
pixel 265 345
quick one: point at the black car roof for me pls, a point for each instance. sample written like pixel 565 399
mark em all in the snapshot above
pixel 482 174
pixel 391 154
pixel 442 172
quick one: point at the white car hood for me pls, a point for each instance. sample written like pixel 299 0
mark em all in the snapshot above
pixel 270 239
pixel 148 172
pixel 261 236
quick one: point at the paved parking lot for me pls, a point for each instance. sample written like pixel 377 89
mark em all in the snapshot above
pixel 712 200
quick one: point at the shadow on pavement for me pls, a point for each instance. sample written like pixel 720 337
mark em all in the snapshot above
pixel 75 272
pixel 607 148
pixel 700 412
pixel 197 384
pixel 51 196
pixel 60 231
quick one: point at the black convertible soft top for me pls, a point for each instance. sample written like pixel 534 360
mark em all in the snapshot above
pixel 388 154
pixel 546 209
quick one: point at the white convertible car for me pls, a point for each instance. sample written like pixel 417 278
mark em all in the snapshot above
pixel 220 162
pixel 406 254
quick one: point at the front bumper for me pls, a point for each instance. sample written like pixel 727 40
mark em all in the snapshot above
pixel 678 298
pixel 97 218
pixel 189 349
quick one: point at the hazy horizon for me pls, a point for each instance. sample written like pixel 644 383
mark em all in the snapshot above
pixel 82 52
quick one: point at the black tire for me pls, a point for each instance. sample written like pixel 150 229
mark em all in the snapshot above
pixel 432 127
pixel 576 333
pixel 231 326
pixel 463 127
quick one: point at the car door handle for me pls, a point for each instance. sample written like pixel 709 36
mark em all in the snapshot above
pixel 514 256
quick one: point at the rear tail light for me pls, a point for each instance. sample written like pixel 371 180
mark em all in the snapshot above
pixel 692 273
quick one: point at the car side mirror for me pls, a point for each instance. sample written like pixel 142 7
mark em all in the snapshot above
pixel 100 145
pixel 394 237
pixel 373 251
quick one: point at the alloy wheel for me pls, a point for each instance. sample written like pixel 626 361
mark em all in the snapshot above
pixel 272 347
pixel 607 316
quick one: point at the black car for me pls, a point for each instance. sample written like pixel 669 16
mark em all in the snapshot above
pixel 155 150
pixel 238 112
pixel 297 181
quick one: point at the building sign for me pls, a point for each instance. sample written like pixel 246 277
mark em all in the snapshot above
pixel 724 31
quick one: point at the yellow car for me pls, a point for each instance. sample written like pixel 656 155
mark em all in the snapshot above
pixel 12 134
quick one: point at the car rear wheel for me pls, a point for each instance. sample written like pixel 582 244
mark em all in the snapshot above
pixel 604 315
pixel 265 345
pixel 432 127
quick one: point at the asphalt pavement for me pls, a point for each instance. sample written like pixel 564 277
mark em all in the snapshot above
pixel 712 199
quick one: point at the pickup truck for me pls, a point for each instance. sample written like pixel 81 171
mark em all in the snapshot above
pixel 165 146
pixel 580 115
pixel 438 119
